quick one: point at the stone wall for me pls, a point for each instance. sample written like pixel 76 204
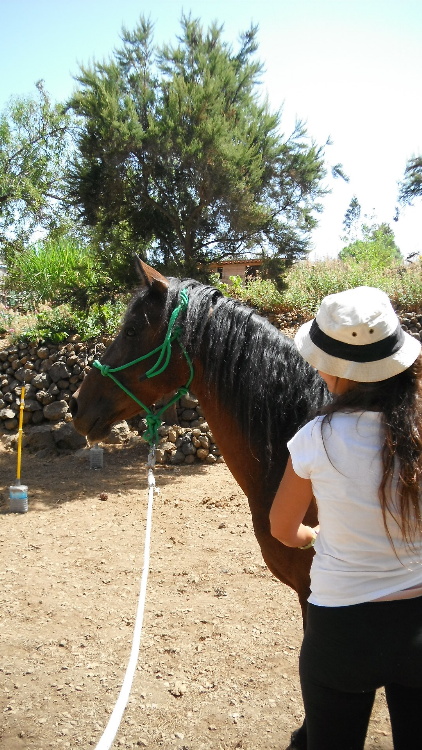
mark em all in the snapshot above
pixel 53 373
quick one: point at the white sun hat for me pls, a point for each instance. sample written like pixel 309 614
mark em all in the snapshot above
pixel 357 335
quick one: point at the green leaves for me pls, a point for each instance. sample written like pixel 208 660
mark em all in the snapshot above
pixel 57 271
pixel 411 186
pixel 377 248
pixel 34 142
pixel 178 149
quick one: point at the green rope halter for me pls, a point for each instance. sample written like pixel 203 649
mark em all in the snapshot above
pixel 153 420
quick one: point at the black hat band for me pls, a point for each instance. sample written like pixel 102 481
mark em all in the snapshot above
pixel 357 352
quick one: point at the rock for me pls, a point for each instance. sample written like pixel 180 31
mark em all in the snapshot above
pixel 31 404
pixel 142 426
pixel 10 424
pixel 178 457
pixel 202 453
pixel 11 442
pixel 55 411
pixel 188 415
pixel 59 371
pixel 188 402
pixel 66 437
pixel 187 448
pixel 37 417
pixel 7 414
pixel 178 689
pixel 167 446
pixel 172 435
pixel 38 438
pixel 24 374
pixel 119 433
pixel 44 398
pixel 160 456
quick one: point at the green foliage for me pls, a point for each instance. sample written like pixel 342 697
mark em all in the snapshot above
pixel 34 146
pixel 59 271
pixel 351 219
pixel 308 283
pixel 377 248
pixel 411 185
pixel 7 318
pixel 57 324
pixel 178 153
pixel 262 294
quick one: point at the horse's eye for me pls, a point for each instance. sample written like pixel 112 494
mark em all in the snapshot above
pixel 130 331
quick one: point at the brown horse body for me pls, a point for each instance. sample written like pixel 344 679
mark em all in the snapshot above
pixel 99 403
pixel 255 454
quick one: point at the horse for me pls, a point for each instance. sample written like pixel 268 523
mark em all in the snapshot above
pixel 254 388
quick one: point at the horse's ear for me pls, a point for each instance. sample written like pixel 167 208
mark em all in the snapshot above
pixel 150 277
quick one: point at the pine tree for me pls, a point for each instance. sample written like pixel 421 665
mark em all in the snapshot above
pixel 351 219
pixel 411 186
pixel 180 158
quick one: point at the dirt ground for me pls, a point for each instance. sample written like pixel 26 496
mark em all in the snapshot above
pixel 217 667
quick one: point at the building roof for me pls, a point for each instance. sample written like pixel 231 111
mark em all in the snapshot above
pixel 242 261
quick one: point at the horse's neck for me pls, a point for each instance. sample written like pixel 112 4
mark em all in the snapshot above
pixel 238 453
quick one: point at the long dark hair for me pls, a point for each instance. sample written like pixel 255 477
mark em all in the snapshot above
pixel 399 399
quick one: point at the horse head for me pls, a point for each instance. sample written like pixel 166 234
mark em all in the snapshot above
pixel 125 380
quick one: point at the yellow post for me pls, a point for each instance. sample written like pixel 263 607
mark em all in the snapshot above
pixel 22 404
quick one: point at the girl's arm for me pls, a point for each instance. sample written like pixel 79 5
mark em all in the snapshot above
pixel 289 508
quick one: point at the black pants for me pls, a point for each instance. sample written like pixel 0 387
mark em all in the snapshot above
pixel 349 652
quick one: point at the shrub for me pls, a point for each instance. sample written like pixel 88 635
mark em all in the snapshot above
pixel 56 270
pixel 57 324
pixel 308 282
pixel 259 293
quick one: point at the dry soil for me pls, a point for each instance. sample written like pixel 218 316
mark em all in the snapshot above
pixel 218 660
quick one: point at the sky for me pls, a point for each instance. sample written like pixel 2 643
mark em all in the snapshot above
pixel 349 69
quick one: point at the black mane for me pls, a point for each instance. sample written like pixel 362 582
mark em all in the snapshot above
pixel 261 378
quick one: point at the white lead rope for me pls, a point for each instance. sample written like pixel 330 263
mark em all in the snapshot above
pixel 112 727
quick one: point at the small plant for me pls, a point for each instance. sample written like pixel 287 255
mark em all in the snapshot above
pixel 261 294
pixel 57 324
pixel 7 317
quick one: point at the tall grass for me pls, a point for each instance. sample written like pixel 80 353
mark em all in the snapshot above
pixel 309 282
pixel 59 271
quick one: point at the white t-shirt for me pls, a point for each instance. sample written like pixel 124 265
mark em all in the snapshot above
pixel 354 560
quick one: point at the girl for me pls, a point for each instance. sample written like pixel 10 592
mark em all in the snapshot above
pixel 362 461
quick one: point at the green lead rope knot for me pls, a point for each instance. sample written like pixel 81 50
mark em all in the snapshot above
pixel 152 419
pixel 104 369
